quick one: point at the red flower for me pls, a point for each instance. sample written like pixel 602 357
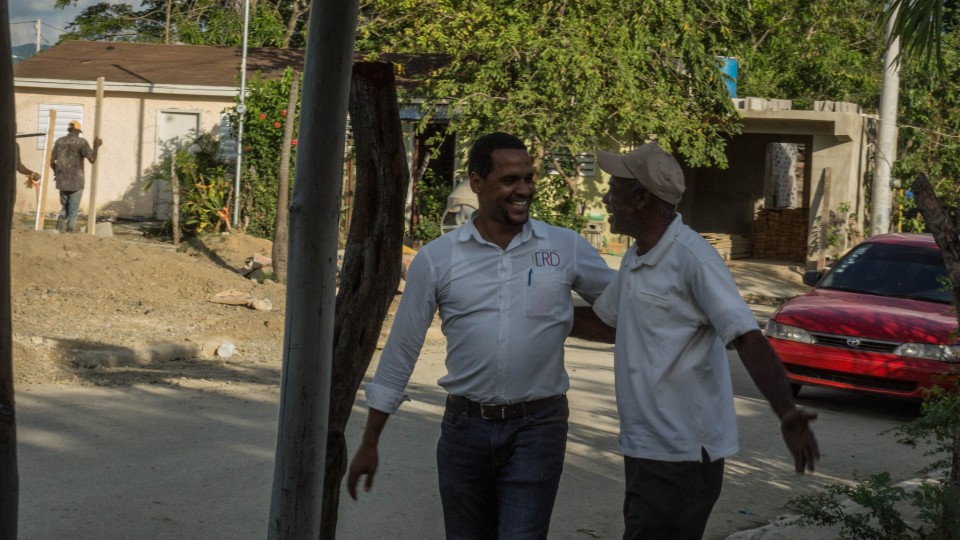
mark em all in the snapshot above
pixel 246 148
pixel 276 125
pixel 263 116
pixel 283 112
pixel 294 142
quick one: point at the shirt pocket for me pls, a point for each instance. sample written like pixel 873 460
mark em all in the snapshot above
pixel 547 294
pixel 651 309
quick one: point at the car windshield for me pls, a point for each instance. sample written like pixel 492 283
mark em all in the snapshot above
pixel 892 270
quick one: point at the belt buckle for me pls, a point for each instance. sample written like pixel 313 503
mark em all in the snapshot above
pixel 484 407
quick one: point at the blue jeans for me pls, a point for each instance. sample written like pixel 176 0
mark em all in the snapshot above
pixel 69 208
pixel 499 479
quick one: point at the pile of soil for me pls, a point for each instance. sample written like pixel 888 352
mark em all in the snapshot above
pixel 130 309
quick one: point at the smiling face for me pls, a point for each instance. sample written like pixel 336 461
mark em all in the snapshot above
pixel 621 203
pixel 505 194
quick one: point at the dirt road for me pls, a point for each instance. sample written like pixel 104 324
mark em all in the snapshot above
pixel 183 447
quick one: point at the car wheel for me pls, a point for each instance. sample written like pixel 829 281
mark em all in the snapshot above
pixel 795 388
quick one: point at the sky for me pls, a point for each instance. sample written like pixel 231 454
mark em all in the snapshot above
pixel 54 21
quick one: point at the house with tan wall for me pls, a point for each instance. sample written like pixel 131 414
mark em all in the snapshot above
pixel 153 95
pixel 156 94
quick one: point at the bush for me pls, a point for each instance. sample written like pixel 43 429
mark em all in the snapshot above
pixel 205 188
pixel 881 517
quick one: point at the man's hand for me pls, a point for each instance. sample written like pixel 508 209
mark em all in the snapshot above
pixel 97 143
pixel 32 180
pixel 795 427
pixel 364 463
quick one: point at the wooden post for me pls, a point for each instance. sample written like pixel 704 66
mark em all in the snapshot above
pixel 47 171
pixel 297 492
pixel 9 474
pixel 174 199
pixel 824 218
pixel 371 261
pixel 94 170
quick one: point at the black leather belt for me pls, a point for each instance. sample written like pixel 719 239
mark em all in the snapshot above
pixel 494 411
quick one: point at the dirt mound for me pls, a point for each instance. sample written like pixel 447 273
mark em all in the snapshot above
pixel 85 307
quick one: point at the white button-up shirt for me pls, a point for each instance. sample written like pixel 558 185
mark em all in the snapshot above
pixel 675 307
pixel 505 314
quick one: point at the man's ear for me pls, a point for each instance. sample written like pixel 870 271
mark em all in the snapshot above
pixel 475 182
pixel 643 197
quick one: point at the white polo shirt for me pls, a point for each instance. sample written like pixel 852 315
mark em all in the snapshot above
pixel 505 314
pixel 674 308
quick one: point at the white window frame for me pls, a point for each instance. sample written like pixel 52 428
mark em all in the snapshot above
pixel 65 113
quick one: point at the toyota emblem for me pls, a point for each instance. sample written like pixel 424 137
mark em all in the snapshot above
pixel 853 342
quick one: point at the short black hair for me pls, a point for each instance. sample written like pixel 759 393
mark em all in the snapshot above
pixel 480 160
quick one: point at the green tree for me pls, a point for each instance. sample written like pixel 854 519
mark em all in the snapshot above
pixel 262 149
pixel 274 23
pixel 807 50
pixel 569 74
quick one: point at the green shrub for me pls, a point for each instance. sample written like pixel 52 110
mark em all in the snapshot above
pixel 880 517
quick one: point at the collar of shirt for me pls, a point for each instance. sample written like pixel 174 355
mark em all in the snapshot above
pixel 530 229
pixel 652 257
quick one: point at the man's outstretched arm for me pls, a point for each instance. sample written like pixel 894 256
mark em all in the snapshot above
pixel 767 372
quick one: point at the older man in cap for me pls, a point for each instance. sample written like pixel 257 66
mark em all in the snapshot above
pixel 672 310
pixel 66 161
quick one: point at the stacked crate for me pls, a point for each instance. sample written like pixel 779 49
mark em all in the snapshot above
pixel 780 234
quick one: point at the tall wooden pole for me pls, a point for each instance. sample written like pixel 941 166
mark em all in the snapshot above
pixel 311 288
pixel 94 170
pixel 9 475
pixel 47 171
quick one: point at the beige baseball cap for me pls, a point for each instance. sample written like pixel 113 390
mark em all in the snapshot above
pixel 657 171
pixel 75 124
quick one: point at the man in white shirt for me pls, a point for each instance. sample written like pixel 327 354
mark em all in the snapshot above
pixel 672 310
pixel 502 285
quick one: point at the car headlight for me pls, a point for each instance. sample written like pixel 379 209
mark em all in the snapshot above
pixel 926 351
pixel 789 333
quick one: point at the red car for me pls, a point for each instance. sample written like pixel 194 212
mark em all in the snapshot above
pixel 880 321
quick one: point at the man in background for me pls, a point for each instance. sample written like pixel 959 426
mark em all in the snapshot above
pixel 67 163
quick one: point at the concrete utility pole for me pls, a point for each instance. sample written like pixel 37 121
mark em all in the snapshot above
pixel 886 153
pixel 295 505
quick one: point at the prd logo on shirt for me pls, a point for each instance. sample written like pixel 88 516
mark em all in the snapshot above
pixel 546 258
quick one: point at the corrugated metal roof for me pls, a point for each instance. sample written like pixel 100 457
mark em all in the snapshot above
pixel 199 65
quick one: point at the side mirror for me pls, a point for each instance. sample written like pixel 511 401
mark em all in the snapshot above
pixel 812 277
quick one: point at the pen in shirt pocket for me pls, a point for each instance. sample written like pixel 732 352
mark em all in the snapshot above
pixel 530 277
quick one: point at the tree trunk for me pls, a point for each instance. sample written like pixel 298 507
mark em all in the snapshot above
pixel 297 494
pixel 283 189
pixel 297 10
pixel 946 236
pixel 9 477
pixel 371 262
pixel 174 199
